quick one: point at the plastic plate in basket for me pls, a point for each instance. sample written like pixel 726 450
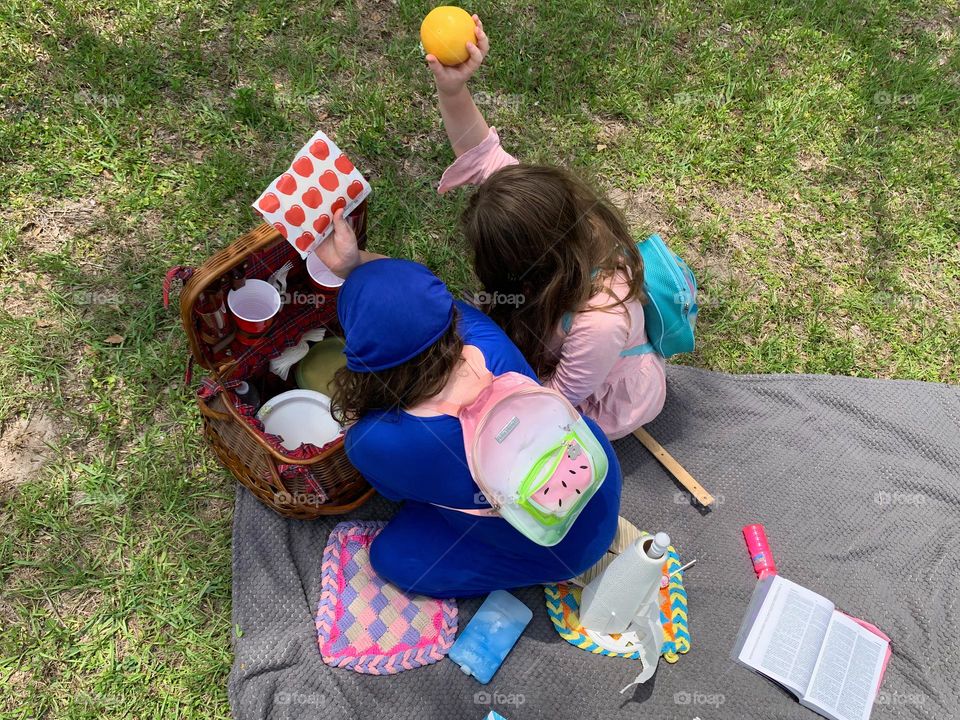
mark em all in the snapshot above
pixel 317 369
pixel 299 416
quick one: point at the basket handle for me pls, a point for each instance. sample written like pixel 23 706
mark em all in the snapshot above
pixel 183 274
pixel 177 272
pixel 207 411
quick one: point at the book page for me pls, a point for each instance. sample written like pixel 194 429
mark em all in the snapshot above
pixel 844 682
pixel 786 636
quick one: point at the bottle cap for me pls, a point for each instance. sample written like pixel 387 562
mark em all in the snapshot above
pixel 657 549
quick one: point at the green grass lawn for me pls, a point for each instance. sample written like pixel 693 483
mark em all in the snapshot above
pixel 803 156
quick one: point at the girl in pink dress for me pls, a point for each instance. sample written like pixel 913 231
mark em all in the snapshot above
pixel 560 272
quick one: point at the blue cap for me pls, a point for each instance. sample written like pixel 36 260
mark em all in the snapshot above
pixel 391 311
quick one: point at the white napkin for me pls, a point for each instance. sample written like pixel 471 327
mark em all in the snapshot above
pixel 281 364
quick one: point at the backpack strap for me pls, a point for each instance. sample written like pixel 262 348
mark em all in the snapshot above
pixel 566 322
pixel 444 407
pixel 482 377
pixel 475 361
pixel 647 347
pixel 477 512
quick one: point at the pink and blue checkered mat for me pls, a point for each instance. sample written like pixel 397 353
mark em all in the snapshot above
pixel 366 624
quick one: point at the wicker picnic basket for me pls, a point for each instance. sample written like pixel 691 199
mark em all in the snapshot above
pixel 303 484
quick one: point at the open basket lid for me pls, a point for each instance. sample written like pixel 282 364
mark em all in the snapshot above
pixel 252 255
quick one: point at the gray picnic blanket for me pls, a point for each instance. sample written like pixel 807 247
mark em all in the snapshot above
pixel 857 482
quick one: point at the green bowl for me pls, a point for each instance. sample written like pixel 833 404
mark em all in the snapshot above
pixel 316 370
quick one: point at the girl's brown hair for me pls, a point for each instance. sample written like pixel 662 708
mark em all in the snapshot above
pixel 404 386
pixel 543 244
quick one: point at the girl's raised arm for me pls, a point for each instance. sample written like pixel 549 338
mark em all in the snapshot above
pixel 463 122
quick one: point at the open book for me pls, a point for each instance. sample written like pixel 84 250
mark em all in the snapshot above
pixel 833 663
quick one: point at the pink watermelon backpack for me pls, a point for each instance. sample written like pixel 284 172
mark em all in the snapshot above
pixel 530 452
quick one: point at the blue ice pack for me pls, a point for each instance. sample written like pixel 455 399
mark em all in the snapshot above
pixel 490 635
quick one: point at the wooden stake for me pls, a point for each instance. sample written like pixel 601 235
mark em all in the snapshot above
pixel 674 468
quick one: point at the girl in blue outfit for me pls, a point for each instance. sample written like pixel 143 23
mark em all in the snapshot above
pixel 404 338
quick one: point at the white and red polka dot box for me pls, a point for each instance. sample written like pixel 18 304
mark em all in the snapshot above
pixel 300 203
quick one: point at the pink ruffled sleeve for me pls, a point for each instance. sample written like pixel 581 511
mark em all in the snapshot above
pixel 476 164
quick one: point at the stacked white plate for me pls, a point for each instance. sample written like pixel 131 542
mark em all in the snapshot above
pixel 299 416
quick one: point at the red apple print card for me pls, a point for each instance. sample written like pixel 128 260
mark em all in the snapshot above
pixel 300 203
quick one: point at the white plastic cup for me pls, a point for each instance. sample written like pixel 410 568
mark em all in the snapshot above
pixel 322 276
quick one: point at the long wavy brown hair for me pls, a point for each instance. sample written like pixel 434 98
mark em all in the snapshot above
pixel 404 386
pixel 541 234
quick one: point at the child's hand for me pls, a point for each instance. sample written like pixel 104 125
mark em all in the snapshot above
pixel 451 79
pixel 339 252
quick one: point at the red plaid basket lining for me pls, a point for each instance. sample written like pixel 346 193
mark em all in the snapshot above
pixel 293 320
pixel 262 264
pixel 285 333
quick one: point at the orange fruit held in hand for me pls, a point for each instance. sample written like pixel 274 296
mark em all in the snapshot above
pixel 445 32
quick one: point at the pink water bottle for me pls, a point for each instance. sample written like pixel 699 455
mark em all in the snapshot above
pixel 759 550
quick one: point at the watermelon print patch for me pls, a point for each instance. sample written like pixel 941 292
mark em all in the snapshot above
pixel 572 476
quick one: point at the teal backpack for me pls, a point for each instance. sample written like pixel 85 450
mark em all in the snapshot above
pixel 671 313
